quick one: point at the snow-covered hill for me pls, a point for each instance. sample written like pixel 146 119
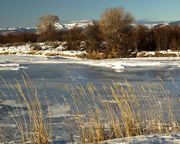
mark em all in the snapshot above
pixel 79 24
pixel 151 24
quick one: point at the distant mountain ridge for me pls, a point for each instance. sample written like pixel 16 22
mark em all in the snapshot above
pixel 175 23
pixel 151 24
pixel 17 29
pixel 83 24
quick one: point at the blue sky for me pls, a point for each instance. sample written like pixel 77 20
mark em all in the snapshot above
pixel 26 12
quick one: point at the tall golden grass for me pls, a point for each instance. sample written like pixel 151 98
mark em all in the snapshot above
pixel 33 127
pixel 123 110
pixel 98 113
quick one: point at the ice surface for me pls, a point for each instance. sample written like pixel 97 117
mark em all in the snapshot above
pixel 11 66
pixel 117 65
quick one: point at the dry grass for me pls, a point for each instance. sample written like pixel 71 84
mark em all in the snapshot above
pixel 132 110
pixel 114 110
pixel 32 127
pixel 98 55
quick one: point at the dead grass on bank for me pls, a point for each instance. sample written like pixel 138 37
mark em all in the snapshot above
pixel 142 109
pixel 98 55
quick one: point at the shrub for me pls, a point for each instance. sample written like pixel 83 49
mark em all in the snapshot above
pixel 114 24
pixel 73 37
pixel 2 39
pixel 18 37
pixel 94 38
pixel 52 36
pixel 35 47
pixel 26 37
pixel 162 37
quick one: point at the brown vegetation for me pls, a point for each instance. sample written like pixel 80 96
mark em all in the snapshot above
pixel 18 38
pixel 112 36
pixel 115 24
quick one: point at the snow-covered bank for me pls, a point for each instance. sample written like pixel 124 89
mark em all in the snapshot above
pixel 40 49
pixel 47 53
pixel 60 49
pixel 167 53
pixel 151 139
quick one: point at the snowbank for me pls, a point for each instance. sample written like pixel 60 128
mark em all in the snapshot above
pixel 56 111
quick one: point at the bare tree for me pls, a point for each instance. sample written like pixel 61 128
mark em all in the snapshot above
pixel 46 23
pixel 114 23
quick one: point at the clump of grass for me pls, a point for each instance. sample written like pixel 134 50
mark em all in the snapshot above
pixel 35 47
pixel 126 110
pixel 33 128
pixel 99 55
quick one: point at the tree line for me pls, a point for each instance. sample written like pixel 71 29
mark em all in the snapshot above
pixel 113 35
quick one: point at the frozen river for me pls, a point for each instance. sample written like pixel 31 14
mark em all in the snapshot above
pixel 51 77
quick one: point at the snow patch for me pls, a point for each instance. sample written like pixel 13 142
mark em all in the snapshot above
pixel 153 53
pixel 58 110
pixel 155 139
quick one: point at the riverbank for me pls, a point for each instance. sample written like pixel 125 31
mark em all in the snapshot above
pixel 40 49
pixel 59 49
